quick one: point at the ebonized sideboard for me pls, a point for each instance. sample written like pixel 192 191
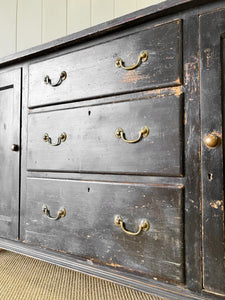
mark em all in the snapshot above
pixel 112 151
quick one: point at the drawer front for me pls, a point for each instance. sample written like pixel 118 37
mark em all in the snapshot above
pixel 91 143
pixel 88 229
pixel 92 72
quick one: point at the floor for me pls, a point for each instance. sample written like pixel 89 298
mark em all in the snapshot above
pixel 24 278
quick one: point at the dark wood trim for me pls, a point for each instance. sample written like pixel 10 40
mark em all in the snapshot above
pixel 192 149
pixel 212 114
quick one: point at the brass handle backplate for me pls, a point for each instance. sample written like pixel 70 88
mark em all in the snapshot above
pixel 144 225
pixel 62 77
pixel 142 134
pixel 141 58
pixel 61 138
pixel 61 213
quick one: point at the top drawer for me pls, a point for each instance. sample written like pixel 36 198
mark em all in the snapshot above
pixel 92 72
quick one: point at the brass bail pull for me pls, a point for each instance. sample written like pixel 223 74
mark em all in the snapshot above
pixel 61 138
pixel 141 58
pixel 142 134
pixel 61 213
pixel 62 77
pixel 144 225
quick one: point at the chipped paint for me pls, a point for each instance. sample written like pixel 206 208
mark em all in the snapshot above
pixel 216 204
pixel 162 92
pixel 208 56
pixel 114 265
pixel 134 76
pixel 190 80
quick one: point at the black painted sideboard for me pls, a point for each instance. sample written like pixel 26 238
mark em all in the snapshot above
pixel 112 151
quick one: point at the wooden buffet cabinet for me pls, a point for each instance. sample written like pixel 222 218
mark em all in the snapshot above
pixel 112 150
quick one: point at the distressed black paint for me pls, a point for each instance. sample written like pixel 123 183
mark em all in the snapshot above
pixel 201 268
pixel 10 95
pixel 92 72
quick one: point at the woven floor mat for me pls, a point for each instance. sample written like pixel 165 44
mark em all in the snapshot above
pixel 25 278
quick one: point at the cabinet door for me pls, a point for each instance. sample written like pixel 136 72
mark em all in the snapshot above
pixel 212 84
pixel 10 98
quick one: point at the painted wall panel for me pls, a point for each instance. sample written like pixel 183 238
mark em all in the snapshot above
pixel 145 3
pixel 78 15
pixel 101 11
pixel 124 7
pixel 26 23
pixel 8 26
pixel 29 27
pixel 54 19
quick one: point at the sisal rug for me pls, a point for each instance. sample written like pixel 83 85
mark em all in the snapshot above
pixel 25 278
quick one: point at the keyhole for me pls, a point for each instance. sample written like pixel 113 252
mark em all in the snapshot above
pixel 210 177
pixel 89 112
pixel 89 190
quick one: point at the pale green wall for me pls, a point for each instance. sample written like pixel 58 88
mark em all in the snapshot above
pixel 27 23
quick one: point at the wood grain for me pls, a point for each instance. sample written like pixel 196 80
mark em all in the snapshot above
pixel 88 229
pixel 92 145
pixel 212 121
pixel 92 72
pixel 194 104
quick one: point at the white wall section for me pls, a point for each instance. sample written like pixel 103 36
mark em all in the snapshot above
pixel 27 23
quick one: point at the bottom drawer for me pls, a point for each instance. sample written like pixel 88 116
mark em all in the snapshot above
pixel 88 229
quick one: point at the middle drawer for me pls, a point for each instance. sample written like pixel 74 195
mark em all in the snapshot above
pixel 110 138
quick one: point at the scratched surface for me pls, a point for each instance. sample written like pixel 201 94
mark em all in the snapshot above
pixel 92 72
pixel 88 229
pixel 9 134
pixel 212 55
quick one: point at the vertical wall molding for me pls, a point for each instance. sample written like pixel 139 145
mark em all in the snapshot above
pixel 16 41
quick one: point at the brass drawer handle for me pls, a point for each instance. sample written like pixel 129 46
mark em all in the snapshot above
pixel 141 58
pixel 143 133
pixel 62 77
pixel 144 226
pixel 61 138
pixel 61 213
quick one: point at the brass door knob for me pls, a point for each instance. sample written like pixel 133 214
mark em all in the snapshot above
pixel 212 140
pixel 14 147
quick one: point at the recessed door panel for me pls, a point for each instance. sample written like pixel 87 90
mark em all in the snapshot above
pixel 10 98
pixel 212 32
